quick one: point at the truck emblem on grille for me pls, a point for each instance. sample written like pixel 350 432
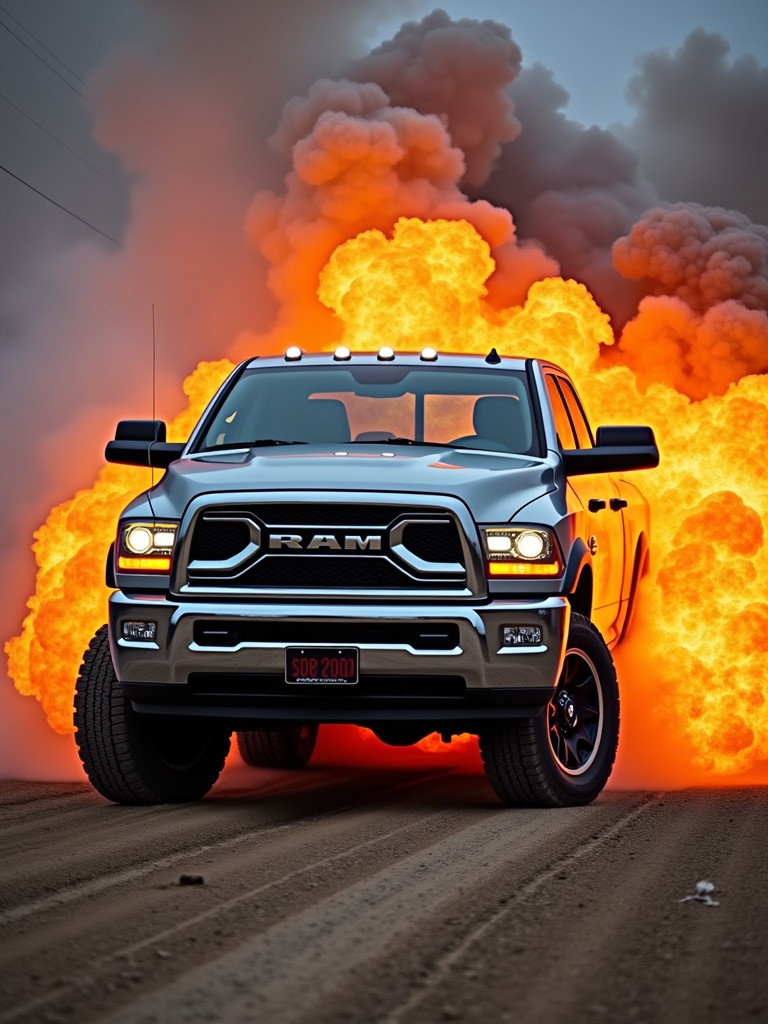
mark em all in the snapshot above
pixel 287 542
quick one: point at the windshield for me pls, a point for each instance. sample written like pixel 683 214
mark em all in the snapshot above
pixel 469 408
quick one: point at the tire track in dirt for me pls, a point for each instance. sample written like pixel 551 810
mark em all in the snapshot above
pixel 382 897
pixel 390 902
pixel 119 913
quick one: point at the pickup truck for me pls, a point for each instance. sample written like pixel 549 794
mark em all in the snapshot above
pixel 410 542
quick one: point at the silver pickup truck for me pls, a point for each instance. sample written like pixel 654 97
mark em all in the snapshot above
pixel 410 542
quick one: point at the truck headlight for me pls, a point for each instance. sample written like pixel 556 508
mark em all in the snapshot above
pixel 146 547
pixel 521 551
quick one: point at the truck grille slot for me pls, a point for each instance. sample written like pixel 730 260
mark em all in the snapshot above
pixel 257 685
pixel 310 514
pixel 430 636
pixel 311 572
pixel 308 546
pixel 217 540
pixel 433 543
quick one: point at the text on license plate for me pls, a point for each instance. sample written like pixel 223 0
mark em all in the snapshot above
pixel 321 666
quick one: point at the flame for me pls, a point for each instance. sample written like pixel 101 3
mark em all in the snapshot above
pixel 699 653
pixel 69 602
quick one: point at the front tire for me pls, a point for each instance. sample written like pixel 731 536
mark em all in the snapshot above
pixel 289 747
pixel 564 757
pixel 139 759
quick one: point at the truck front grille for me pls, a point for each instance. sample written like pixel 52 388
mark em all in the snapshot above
pixel 354 547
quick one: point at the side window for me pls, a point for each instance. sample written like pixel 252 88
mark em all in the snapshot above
pixel 579 420
pixel 563 426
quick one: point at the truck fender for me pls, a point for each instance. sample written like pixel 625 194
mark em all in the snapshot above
pixel 579 560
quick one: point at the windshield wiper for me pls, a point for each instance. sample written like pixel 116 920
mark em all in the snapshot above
pixel 410 440
pixel 259 442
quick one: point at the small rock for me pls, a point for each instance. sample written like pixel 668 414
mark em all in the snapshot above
pixel 163 954
pixel 191 880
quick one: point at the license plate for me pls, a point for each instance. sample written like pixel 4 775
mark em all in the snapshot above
pixel 321 666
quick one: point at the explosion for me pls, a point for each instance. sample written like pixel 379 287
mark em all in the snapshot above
pixel 374 241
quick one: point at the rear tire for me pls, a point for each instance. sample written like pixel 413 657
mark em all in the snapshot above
pixel 289 747
pixel 563 757
pixel 140 759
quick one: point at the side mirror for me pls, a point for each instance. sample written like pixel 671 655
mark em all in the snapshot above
pixel 617 450
pixel 142 443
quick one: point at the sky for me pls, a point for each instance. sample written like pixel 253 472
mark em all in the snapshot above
pixel 592 44
pixel 89 183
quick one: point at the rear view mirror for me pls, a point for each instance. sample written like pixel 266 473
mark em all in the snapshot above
pixel 617 450
pixel 142 443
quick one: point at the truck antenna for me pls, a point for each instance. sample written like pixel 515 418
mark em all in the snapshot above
pixel 154 394
pixel 154 362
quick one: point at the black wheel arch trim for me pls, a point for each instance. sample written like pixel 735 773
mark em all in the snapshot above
pixel 579 558
pixel 109 571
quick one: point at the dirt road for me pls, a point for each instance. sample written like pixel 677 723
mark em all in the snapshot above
pixel 376 894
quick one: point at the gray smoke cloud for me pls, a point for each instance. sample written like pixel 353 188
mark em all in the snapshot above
pixel 414 121
pixel 703 323
pixel 701 123
pixel 573 189
pixel 187 110
pixel 458 70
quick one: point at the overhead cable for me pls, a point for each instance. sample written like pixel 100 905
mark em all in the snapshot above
pixel 60 206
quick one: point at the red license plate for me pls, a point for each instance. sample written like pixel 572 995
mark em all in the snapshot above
pixel 322 666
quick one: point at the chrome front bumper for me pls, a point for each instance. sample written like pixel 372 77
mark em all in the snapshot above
pixel 479 658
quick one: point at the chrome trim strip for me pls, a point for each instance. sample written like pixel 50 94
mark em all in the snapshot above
pixel 413 561
pixel 523 650
pixel 218 566
pixel 269 645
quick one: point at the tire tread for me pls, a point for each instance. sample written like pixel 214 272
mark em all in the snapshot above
pixel 515 752
pixel 109 749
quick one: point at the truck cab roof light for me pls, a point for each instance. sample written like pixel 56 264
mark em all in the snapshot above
pixel 342 354
pixel 428 355
pixel 293 353
pixel 386 354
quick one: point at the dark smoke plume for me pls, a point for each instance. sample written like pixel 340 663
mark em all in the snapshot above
pixel 702 125
pixel 703 324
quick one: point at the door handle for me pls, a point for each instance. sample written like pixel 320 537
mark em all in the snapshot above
pixel 596 504
pixel 618 503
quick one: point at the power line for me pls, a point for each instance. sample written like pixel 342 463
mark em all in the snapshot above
pixel 44 61
pixel 57 139
pixel 60 207
pixel 40 43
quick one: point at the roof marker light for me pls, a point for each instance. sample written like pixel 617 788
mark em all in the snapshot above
pixel 386 354
pixel 428 355
pixel 293 353
pixel 341 354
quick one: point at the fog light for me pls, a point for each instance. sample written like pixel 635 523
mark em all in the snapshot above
pixel 521 636
pixel 139 630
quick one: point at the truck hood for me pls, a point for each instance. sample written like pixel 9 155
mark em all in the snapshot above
pixel 493 486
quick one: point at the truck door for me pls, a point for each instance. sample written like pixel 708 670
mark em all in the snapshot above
pixel 599 497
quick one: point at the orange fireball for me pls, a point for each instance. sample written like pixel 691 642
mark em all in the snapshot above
pixel 701 663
